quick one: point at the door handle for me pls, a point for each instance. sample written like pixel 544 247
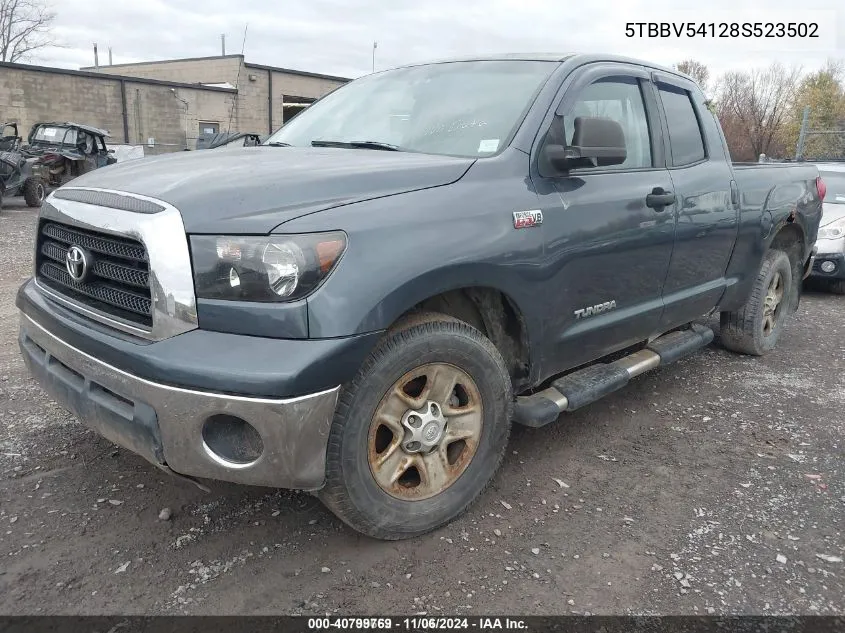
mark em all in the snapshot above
pixel 659 198
pixel 734 194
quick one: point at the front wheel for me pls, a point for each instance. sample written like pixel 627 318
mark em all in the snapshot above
pixel 756 327
pixel 34 191
pixel 420 431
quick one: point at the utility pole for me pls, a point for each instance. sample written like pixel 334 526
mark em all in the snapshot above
pixel 185 103
pixel 96 57
pixel 223 44
pixel 802 136
pixel 375 46
pixel 110 56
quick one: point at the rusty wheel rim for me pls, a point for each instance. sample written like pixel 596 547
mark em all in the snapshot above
pixel 772 304
pixel 425 432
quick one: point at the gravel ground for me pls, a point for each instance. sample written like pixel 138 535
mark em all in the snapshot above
pixel 715 485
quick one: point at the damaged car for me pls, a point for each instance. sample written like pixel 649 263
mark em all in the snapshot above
pixel 64 151
pixel 17 171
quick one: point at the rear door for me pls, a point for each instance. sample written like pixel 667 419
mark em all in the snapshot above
pixel 606 250
pixel 706 213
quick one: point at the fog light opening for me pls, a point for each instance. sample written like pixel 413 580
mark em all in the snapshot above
pixel 828 266
pixel 231 441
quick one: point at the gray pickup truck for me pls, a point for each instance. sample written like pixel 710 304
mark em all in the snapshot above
pixel 361 306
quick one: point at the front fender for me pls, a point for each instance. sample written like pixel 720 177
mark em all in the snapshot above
pixel 405 248
pixel 373 304
pixel 394 261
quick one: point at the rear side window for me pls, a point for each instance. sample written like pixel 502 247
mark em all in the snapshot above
pixel 684 131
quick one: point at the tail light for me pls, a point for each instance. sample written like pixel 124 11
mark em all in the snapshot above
pixel 821 187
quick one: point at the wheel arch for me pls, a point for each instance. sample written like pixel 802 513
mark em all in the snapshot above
pixel 496 315
pixel 481 299
pixel 787 236
pixel 790 238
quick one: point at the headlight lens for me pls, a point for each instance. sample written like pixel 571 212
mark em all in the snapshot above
pixel 267 268
pixel 833 230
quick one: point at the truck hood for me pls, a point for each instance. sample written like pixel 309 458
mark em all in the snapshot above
pixel 255 189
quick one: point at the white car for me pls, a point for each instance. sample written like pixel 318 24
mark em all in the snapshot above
pixel 830 258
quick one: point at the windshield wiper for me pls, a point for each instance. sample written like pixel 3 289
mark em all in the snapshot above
pixel 358 145
pixel 278 144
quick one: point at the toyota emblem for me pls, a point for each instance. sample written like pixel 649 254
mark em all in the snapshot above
pixel 76 263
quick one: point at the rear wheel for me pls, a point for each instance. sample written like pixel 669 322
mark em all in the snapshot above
pixel 34 191
pixel 420 431
pixel 756 327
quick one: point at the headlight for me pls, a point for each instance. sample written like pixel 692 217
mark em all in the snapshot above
pixel 833 230
pixel 271 268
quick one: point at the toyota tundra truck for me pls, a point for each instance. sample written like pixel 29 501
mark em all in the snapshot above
pixel 361 306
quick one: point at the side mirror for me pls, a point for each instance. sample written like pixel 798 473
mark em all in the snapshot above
pixel 596 142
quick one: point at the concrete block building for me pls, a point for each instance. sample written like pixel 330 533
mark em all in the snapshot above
pixel 163 105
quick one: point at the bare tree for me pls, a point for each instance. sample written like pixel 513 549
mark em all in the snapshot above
pixel 696 70
pixel 755 106
pixel 24 28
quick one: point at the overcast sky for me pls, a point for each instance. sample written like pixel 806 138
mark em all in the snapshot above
pixel 336 36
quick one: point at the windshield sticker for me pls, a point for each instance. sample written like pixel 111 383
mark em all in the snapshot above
pixel 488 145
pixel 50 131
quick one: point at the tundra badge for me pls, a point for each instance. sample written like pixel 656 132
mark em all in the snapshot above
pixel 596 309
pixel 527 219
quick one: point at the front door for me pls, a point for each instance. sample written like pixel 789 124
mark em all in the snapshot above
pixel 608 250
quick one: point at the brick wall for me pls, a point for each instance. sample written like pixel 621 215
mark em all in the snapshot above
pixel 28 97
pixel 153 111
pixel 204 70
pixel 29 94
pixel 250 113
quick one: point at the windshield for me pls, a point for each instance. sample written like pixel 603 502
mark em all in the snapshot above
pixel 53 134
pixel 835 183
pixel 455 108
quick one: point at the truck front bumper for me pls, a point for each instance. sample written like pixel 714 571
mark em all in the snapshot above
pixel 193 433
pixel 202 404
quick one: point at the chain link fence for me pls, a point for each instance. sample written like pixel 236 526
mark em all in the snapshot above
pixel 818 144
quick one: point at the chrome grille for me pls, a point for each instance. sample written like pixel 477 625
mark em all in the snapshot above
pixel 118 282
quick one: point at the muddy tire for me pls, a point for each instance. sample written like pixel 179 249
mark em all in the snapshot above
pixel 755 328
pixel 837 287
pixel 420 431
pixel 34 191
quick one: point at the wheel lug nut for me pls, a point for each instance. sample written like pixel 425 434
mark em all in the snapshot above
pixel 435 410
pixel 413 446
pixel 414 421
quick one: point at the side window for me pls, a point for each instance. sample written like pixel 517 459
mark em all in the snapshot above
pixel 619 99
pixel 684 130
